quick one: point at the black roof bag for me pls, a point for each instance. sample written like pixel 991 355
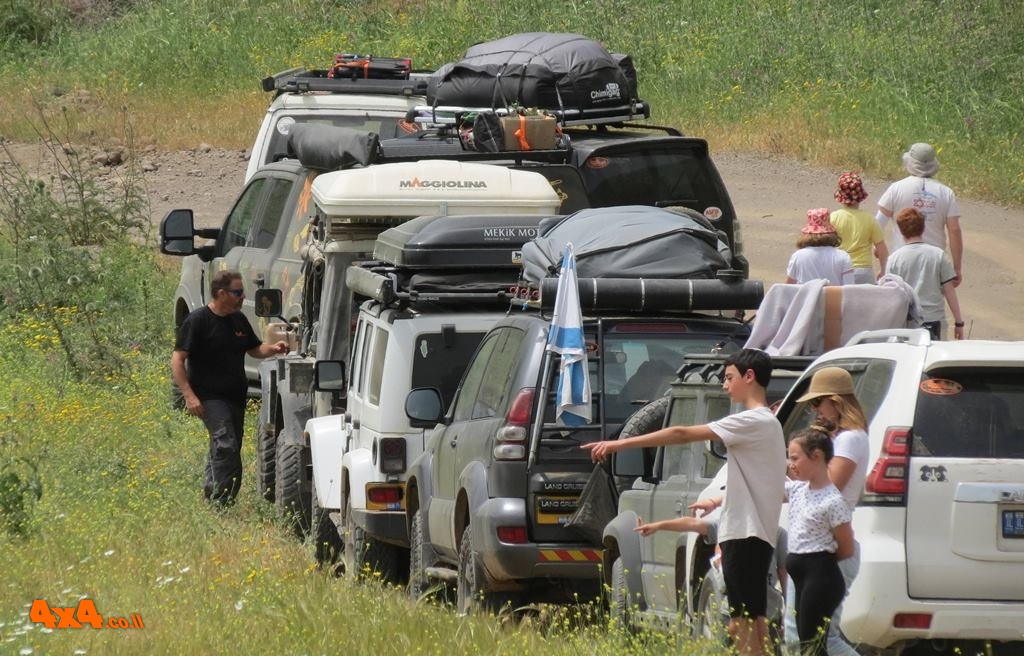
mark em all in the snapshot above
pixel 330 148
pixel 536 69
pixel 633 241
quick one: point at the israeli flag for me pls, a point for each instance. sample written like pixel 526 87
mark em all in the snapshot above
pixel 566 338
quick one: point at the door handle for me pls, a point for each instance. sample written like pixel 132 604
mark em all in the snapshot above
pixel 259 280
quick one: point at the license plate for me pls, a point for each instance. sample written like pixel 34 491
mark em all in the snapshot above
pixel 555 510
pixel 1013 523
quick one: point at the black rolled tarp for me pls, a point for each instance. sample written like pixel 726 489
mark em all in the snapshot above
pixel 330 148
pixel 633 241
pixel 536 69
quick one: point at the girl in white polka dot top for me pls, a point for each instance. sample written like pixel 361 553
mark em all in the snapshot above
pixel 819 536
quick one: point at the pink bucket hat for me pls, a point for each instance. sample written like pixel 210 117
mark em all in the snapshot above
pixel 817 222
pixel 850 188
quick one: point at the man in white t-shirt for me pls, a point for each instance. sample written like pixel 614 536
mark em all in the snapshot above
pixel 756 471
pixel 935 200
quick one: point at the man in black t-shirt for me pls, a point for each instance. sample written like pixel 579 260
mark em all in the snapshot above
pixel 213 340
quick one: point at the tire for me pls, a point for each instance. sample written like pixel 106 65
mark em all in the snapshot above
pixel 421 556
pixel 366 558
pixel 471 594
pixel 266 458
pixel 647 419
pixel 619 602
pixel 712 620
pixel 327 542
pixel 291 491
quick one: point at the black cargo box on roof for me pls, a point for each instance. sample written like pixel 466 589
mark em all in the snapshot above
pixel 466 243
pixel 536 69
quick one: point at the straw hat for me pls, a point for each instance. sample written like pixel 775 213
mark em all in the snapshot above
pixel 828 382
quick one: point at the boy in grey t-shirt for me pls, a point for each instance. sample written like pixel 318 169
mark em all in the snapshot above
pixel 756 471
pixel 929 271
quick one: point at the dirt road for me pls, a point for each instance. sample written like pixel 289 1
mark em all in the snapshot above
pixel 771 197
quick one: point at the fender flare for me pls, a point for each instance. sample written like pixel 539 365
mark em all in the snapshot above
pixel 419 479
pixel 357 466
pixel 296 410
pixel 620 532
pixel 472 486
pixel 326 437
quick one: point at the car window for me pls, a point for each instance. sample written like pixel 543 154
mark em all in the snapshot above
pixel 376 366
pixel 645 174
pixel 970 413
pixel 359 346
pixel 871 381
pixel 236 229
pixel 640 366
pixel 470 387
pixel 494 388
pixel 270 216
pixel 439 361
pixel 386 127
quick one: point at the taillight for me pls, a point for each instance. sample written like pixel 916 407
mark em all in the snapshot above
pixel 912 620
pixel 512 534
pixel 385 496
pixel 510 440
pixel 392 455
pixel 887 481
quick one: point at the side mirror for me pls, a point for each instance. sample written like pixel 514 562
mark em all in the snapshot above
pixel 329 376
pixel 717 449
pixel 423 407
pixel 177 233
pixel 268 303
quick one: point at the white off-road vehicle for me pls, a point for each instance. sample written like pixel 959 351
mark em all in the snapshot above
pixel 364 93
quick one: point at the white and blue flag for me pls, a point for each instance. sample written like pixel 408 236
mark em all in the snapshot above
pixel 566 338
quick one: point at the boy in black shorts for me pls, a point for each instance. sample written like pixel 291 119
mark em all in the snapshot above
pixel 756 471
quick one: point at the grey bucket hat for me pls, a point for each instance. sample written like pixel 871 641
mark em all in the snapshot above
pixel 920 160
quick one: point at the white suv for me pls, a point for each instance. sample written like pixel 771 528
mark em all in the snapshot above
pixel 941 520
pixel 373 104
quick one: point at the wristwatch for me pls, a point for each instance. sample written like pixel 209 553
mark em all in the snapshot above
pixel 958 324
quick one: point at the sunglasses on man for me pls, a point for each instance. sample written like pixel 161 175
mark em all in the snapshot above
pixel 237 293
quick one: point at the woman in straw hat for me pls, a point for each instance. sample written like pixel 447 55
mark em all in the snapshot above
pixel 839 413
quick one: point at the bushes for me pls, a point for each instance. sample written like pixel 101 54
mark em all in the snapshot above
pixel 77 274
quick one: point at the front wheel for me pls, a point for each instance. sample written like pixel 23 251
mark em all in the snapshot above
pixel 619 606
pixel 712 621
pixel 266 457
pixel 327 542
pixel 291 493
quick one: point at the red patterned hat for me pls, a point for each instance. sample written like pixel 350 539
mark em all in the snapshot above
pixel 817 222
pixel 850 189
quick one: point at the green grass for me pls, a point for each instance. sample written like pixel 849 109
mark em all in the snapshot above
pixel 122 522
pixel 848 85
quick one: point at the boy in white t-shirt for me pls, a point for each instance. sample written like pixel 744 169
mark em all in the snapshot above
pixel 756 471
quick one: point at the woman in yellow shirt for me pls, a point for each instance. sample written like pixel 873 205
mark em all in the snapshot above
pixel 860 233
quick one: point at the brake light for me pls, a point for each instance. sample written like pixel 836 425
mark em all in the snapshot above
pixel 912 620
pixel 888 478
pixel 392 455
pixel 512 534
pixel 383 497
pixel 510 440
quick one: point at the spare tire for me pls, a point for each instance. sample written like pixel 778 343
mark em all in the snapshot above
pixel 647 419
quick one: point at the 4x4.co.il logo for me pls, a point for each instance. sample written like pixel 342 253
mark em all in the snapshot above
pixel 75 617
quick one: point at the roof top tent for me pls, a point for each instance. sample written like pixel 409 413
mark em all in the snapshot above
pixel 405 190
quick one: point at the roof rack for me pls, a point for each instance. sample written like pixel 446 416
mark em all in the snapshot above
pixel 443 142
pixel 303 80
pixel 382 283
pixel 428 115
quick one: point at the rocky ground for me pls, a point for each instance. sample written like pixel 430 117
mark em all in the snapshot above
pixel 771 196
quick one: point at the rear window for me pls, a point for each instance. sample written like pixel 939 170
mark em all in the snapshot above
pixel 970 413
pixel 651 175
pixel 440 360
